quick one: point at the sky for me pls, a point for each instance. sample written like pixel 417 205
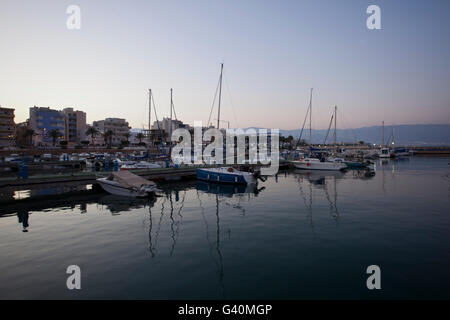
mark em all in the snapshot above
pixel 273 53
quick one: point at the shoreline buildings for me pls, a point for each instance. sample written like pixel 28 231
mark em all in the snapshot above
pixel 75 126
pixel 69 123
pixel 6 126
pixel 118 126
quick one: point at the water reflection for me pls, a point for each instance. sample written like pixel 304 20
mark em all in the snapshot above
pixel 175 217
pixel 23 215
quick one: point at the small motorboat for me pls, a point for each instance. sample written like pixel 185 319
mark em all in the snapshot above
pixel 226 175
pixel 317 164
pixel 125 183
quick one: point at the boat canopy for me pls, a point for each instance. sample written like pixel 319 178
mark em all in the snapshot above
pixel 129 179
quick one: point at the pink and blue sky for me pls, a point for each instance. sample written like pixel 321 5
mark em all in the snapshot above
pixel 273 51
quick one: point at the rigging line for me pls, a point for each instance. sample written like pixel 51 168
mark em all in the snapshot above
pixel 301 132
pixel 214 101
pixel 231 101
pixel 163 140
pixel 328 131
pixel 173 108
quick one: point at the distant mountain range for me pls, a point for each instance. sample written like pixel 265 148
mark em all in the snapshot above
pixel 416 134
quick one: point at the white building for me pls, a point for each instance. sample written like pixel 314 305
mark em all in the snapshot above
pixel 165 125
pixel 119 127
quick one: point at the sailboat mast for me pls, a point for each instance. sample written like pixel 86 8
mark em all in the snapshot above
pixel 382 141
pixel 149 116
pixel 171 107
pixel 220 95
pixel 335 117
pixel 393 141
pixel 310 117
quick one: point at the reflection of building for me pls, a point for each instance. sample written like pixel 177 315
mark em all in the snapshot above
pixel 6 126
pixel 75 125
pixel 118 126
pixel 43 120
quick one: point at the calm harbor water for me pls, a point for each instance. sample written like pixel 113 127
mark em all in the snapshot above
pixel 300 235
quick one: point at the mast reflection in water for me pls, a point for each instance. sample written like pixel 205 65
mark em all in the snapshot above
pixel 299 234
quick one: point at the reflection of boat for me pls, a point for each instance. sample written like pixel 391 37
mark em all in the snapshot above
pixel 117 204
pixel 125 183
pixel 318 177
pixel 227 189
pixel 225 175
pixel 316 164
pixel 355 164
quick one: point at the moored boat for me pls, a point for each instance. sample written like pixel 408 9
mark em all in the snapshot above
pixel 317 164
pixel 125 183
pixel 140 165
pixel 384 153
pixel 225 175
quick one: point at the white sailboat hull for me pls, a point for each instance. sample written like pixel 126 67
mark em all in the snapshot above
pixel 318 165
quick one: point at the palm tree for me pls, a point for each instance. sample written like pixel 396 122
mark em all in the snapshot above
pixel 54 134
pixel 127 136
pixel 28 136
pixel 108 137
pixel 92 131
pixel 140 136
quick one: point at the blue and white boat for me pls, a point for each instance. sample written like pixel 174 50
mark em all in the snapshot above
pixel 225 175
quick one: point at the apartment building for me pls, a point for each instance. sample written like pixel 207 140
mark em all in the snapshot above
pixel 75 130
pixel 119 127
pixel 43 120
pixel 6 126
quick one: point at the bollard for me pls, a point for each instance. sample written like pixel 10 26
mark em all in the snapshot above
pixel 25 171
pixel 116 165
pixel 167 163
pixel 106 165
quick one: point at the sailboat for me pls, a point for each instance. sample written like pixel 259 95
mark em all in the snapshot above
pixel 225 174
pixel 314 163
pixel 384 152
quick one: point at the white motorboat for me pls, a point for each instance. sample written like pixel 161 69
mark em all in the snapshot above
pixel 316 164
pixel 125 183
pixel 384 153
pixel 140 165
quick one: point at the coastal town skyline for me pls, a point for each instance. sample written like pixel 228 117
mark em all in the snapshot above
pixel 106 67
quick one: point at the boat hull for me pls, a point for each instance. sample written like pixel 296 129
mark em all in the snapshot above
pixel 212 175
pixel 118 190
